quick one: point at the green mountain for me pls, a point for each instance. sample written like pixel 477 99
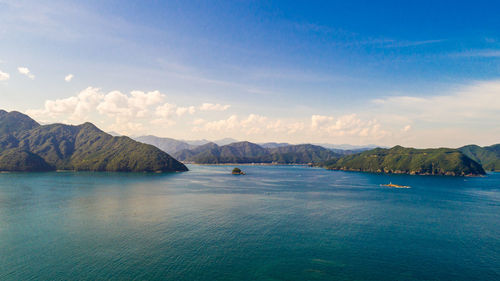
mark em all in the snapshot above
pixel 11 122
pixel 247 152
pixel 27 146
pixel 401 160
pixel 487 156
pixel 302 153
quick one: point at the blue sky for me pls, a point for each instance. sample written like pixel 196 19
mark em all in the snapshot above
pixel 420 74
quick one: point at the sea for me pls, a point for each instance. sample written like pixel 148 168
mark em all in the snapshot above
pixel 274 223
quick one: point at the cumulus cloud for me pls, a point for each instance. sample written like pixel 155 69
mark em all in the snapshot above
pixel 183 110
pixel 214 107
pixel 126 112
pixel 166 110
pixel 251 124
pixel 346 125
pixel 116 105
pixel 324 127
pixel 68 77
pixel 26 71
pixel 4 76
pixel 76 107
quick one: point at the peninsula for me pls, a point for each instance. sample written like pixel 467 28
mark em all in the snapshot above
pixel 401 160
pixel 26 145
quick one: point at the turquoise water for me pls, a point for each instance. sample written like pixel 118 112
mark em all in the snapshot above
pixel 275 223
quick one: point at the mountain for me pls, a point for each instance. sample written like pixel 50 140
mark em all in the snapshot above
pixel 196 142
pixel 115 134
pixel 487 156
pixel 247 152
pixel 273 144
pixel 349 147
pixel 302 153
pixel 26 145
pixel 221 142
pixel 225 141
pixel 168 145
pixel 401 160
pixel 11 122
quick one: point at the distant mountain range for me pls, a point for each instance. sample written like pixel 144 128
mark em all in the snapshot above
pixel 172 146
pixel 247 152
pixel 168 145
pixel 26 145
pixel 451 161
pixel 401 160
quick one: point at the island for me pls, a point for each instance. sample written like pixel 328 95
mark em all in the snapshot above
pixel 402 160
pixel 237 171
pixel 27 146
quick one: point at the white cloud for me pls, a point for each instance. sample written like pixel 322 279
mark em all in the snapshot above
pixel 250 125
pixel 68 77
pixel 214 107
pixel 166 110
pixel 4 76
pixel 346 125
pixel 198 121
pixel 76 108
pixel 324 127
pixel 450 119
pixel 183 110
pixel 26 71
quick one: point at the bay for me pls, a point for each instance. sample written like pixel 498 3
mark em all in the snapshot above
pixel 274 223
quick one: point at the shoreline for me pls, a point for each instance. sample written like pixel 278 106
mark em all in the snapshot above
pixel 246 164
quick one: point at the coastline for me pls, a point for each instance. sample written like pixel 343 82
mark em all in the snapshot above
pixel 246 164
pixel 408 173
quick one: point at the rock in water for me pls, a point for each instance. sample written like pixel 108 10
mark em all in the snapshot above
pixel 237 171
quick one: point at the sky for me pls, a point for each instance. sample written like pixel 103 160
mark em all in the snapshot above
pixel 413 73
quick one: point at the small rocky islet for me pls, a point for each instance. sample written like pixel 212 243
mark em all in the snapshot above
pixel 237 171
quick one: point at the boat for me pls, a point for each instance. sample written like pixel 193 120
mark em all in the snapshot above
pixel 395 185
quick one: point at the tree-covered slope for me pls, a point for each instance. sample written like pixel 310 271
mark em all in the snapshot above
pixel 441 161
pixel 11 122
pixel 22 161
pixel 247 152
pixel 487 156
pixel 302 153
pixel 83 147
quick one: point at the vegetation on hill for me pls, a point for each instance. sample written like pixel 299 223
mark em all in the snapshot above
pixel 33 147
pixel 247 152
pixel 400 160
pixel 487 156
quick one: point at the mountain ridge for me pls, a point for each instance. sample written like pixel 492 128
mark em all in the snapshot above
pixel 84 147
pixel 248 152
pixel 401 160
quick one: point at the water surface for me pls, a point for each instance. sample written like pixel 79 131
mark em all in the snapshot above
pixel 275 223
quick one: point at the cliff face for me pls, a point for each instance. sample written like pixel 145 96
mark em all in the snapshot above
pixel 400 160
pixel 27 146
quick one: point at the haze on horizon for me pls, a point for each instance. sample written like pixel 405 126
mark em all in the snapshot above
pixel 423 74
